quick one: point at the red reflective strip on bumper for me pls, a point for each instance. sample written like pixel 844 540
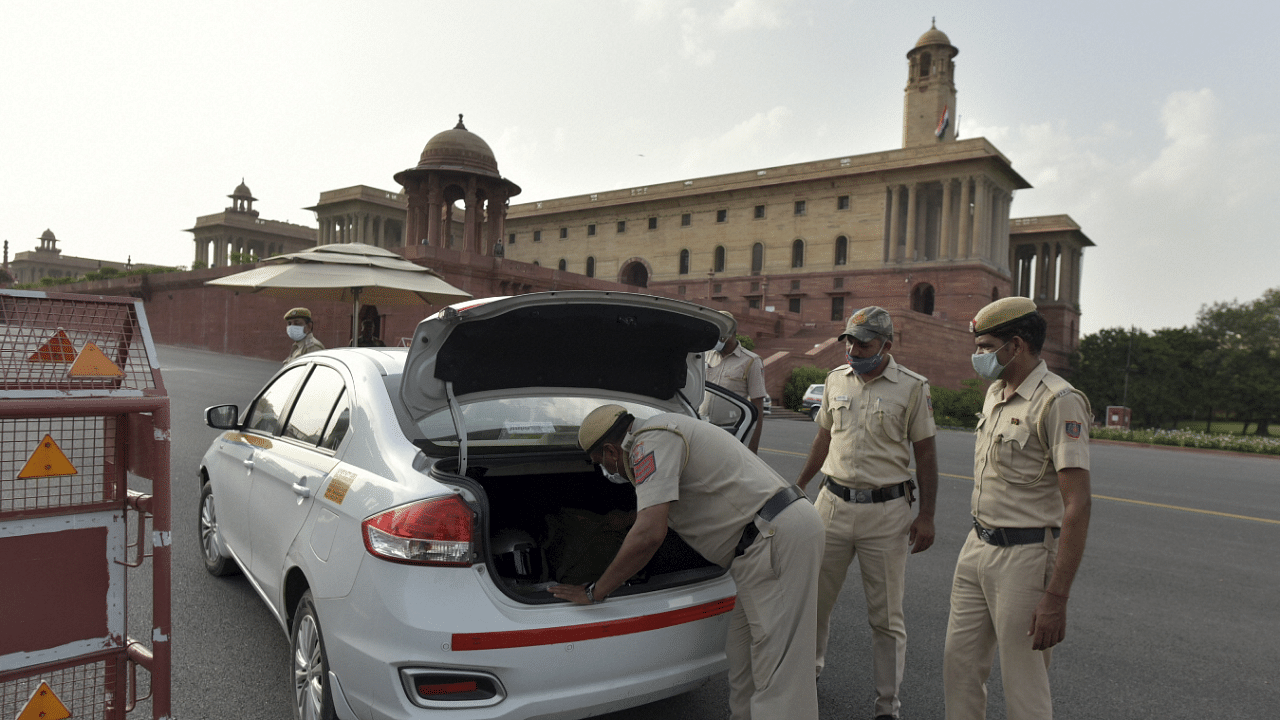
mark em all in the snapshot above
pixel 590 631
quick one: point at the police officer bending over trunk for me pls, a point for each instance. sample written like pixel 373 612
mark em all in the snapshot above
pixel 732 508
pixel 1030 510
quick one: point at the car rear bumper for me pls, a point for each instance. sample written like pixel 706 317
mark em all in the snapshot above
pixel 553 661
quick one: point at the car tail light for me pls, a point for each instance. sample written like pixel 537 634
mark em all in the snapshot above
pixel 427 532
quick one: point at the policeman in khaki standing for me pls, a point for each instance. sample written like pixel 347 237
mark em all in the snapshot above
pixel 739 371
pixel 297 323
pixel 875 414
pixel 1030 506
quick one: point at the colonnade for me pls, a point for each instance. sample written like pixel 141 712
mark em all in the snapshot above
pixel 361 227
pixel 224 246
pixel 1047 271
pixel 431 208
pixel 953 219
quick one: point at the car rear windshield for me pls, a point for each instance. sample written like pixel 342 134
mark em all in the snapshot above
pixel 545 422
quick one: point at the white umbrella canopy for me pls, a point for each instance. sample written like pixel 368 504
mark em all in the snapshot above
pixel 342 272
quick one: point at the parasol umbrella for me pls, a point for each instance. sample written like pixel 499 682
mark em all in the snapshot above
pixel 347 271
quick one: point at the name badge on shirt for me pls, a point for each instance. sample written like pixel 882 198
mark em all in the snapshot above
pixel 842 398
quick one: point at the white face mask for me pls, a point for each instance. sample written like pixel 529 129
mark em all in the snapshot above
pixel 296 332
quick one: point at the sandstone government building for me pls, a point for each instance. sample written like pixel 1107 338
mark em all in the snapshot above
pixel 925 230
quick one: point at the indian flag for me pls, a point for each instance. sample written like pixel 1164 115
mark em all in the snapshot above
pixel 943 121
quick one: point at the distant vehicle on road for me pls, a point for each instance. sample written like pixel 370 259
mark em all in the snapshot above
pixel 811 402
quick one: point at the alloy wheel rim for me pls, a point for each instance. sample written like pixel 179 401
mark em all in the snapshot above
pixel 209 529
pixel 308 688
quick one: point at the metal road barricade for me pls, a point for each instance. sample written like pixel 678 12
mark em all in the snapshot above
pixel 83 412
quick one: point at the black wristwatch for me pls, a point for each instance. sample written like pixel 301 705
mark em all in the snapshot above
pixel 591 594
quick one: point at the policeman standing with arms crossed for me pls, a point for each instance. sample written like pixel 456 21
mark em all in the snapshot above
pixel 735 511
pixel 874 414
pixel 1030 506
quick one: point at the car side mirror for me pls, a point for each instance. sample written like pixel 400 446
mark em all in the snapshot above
pixel 222 417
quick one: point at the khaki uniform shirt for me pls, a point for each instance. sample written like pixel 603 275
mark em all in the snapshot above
pixel 873 423
pixel 740 371
pixel 307 344
pixel 1015 475
pixel 714 483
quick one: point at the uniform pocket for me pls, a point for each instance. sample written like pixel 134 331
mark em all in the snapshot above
pixel 890 420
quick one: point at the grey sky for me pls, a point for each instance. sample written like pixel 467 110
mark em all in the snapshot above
pixel 1151 124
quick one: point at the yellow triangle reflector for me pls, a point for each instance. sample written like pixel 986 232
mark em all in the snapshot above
pixel 48 460
pixel 92 362
pixel 56 349
pixel 44 705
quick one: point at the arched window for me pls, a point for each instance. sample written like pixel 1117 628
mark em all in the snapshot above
pixel 926 64
pixel 842 250
pixel 757 258
pixel 719 265
pixel 591 267
pixel 684 262
pixel 995 294
pixel 563 264
pixel 922 298
pixel 797 254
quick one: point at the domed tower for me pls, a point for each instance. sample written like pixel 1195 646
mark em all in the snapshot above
pixel 929 108
pixel 48 243
pixel 242 200
pixel 456 165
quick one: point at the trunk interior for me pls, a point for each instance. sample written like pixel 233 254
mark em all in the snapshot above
pixel 562 522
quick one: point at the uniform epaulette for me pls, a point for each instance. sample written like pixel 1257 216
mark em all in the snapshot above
pixel 843 368
pixel 912 373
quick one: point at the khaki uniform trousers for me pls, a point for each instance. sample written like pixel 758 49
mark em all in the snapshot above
pixel 877 534
pixel 993 599
pixel 771 637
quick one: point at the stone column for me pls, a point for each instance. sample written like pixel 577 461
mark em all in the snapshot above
pixel 913 199
pixel 981 218
pixel 946 248
pixel 435 203
pixel 469 240
pixel 895 254
pixel 965 241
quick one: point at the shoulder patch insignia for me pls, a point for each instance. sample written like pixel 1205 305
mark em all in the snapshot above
pixel 1073 430
pixel 929 401
pixel 643 467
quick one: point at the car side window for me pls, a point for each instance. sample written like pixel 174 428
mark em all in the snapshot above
pixel 339 423
pixel 315 405
pixel 269 409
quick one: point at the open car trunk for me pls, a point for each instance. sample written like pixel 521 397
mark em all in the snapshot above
pixel 562 522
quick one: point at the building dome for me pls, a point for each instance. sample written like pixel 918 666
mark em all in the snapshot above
pixel 459 149
pixel 47 235
pixel 933 37
pixel 242 191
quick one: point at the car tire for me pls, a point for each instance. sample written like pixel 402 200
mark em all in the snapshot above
pixel 215 562
pixel 813 412
pixel 312 698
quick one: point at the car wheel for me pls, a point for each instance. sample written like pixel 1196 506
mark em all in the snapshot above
pixel 311 697
pixel 214 561
pixel 813 412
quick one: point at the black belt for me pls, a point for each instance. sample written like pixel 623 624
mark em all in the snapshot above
pixel 1004 537
pixel 884 494
pixel 767 512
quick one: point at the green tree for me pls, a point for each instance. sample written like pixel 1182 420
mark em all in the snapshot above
pixel 1245 353
pixel 799 381
pixel 958 408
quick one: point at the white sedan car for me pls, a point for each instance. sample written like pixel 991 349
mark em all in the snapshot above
pixel 403 511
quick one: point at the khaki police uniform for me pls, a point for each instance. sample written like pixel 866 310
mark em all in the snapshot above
pixel 307 344
pixel 1021 444
pixel 715 487
pixel 872 424
pixel 741 372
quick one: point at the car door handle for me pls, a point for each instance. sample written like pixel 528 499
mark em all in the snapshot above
pixel 248 464
pixel 302 490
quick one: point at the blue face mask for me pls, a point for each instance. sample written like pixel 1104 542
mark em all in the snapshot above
pixel 862 366
pixel 987 365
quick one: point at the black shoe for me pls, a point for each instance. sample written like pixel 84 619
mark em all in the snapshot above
pixel 886 717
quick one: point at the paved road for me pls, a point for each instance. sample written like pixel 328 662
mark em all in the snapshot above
pixel 1173 614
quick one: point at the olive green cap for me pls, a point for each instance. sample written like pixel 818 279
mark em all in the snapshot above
pixel 1000 314
pixel 869 323
pixel 298 312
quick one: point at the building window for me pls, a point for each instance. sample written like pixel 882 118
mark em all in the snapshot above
pixel 757 258
pixel 922 298
pixel 717 288
pixel 686 220
pixel 537 264
pixel 837 308
pixel 799 207
pixel 755 286
pixel 759 213
pixel 684 262
pixel 797 254
pixel 591 230
pixel 564 233
pixel 795 286
pixel 722 216
pixel 753 303
pixel 842 250
pixel 511 239
pixel 537 236
pixel 842 202
pixel 719 262
pixel 653 223
pixel 591 267
pixel 622 226
pixel 563 265
pixel 680 289
pixel 837 283
pixel 793 305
